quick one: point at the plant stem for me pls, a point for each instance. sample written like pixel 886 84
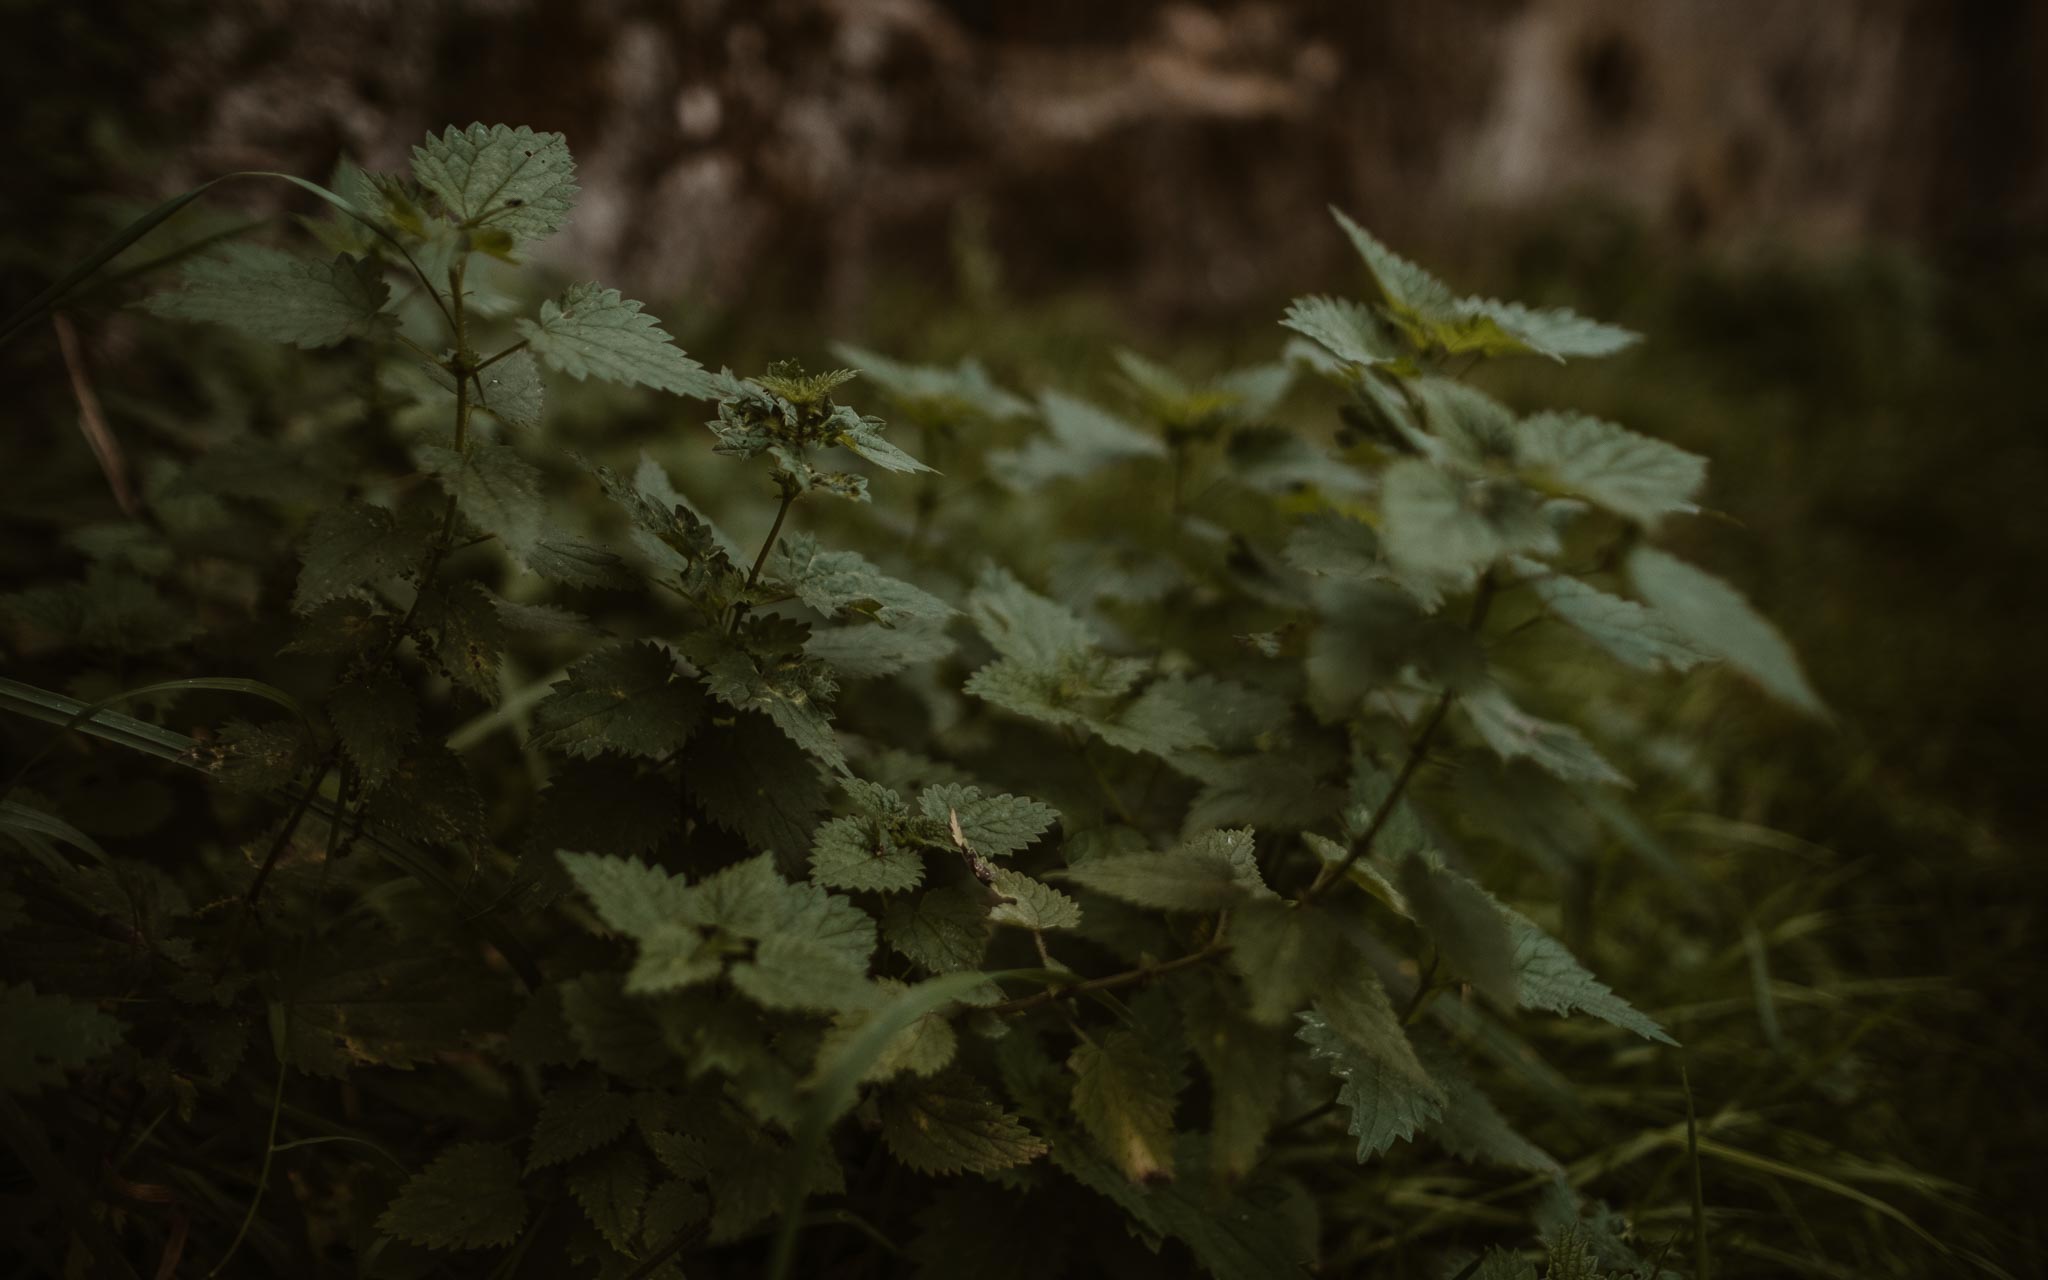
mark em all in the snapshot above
pixel 1129 977
pixel 1482 601
pixel 739 609
pixel 514 349
pixel 774 533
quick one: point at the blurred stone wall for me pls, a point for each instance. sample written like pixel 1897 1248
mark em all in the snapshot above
pixel 1179 151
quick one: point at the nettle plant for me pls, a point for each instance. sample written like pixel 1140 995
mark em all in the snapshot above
pixel 1079 876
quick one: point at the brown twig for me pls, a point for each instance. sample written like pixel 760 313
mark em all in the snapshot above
pixel 1129 977
pixel 92 420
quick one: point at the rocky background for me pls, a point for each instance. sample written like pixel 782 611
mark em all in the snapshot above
pixel 1175 152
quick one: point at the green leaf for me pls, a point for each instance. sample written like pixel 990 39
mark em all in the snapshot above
pixel 945 931
pixel 1285 954
pixel 375 716
pixel 495 489
pixel 1347 330
pixel 1633 475
pixel 1631 633
pixel 629 896
pixel 468 1198
pixel 510 179
pixel 469 638
pixel 1551 979
pixel 1247 1065
pixel 1210 873
pixel 43 1036
pixel 575 562
pixel 923 1048
pixel 754 782
pixel 1465 923
pixel 611 1186
pixel 512 391
pixel 593 332
pixel 1432 316
pixel 995 826
pixel 1024 626
pixel 932 393
pixel 1513 732
pixel 1716 619
pixel 1386 1101
pixel 1443 525
pixel 950 1125
pixel 1124 1096
pixel 1030 904
pixel 284 297
pixel 348 547
pixel 577 1118
pixel 628 699
pixel 1083 439
pixel 835 582
pixel 860 853
pixel 1472 1128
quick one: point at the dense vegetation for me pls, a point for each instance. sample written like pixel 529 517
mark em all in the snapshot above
pixel 468 827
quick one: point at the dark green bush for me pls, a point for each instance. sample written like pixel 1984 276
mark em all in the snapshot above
pixel 1028 839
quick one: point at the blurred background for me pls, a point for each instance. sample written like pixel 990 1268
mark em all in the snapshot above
pixel 1829 219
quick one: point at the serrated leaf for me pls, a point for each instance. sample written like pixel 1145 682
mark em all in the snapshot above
pixel 1439 524
pixel 859 853
pixel 1514 733
pixel 945 931
pixel 753 781
pixel 629 896
pixel 1125 1091
pixel 1386 1102
pixel 1022 625
pixel 347 547
pixel 511 179
pixel 576 1118
pixel 282 297
pixel 375 716
pixel 1030 904
pixel 1634 475
pixel 628 699
pixel 1466 925
pixel 1472 1127
pixel 1632 633
pixel 1551 978
pixel 923 1048
pixel 593 332
pixel 468 1198
pixel 1285 954
pixel 469 639
pixel 995 826
pixel 1082 438
pixel 511 391
pixel 611 1186
pixel 1347 330
pixel 834 582
pixel 576 562
pixel 1717 619
pixel 950 1124
pixel 431 797
pixel 1210 873
pixel 495 489
pixel 47 1035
